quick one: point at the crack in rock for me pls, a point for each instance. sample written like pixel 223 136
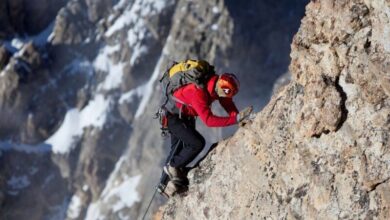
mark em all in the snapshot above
pixel 343 108
pixel 375 185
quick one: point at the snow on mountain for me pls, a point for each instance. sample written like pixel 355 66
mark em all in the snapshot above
pixel 120 192
pixel 94 114
pixel 74 207
pixel 103 62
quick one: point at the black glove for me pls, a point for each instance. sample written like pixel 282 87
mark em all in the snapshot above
pixel 244 114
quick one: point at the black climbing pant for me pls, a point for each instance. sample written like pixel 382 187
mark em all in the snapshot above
pixel 191 141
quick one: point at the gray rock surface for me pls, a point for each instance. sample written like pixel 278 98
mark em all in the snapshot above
pixel 320 148
pixel 87 78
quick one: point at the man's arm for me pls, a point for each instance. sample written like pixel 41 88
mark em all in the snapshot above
pixel 229 106
pixel 200 105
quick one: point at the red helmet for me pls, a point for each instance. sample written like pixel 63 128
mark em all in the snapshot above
pixel 227 85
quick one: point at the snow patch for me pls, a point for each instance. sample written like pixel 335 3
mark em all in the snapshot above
pixel 62 140
pixel 137 53
pixel 121 4
pixel 114 71
pixel 120 192
pixel 18 182
pixel 80 65
pixel 133 20
pixel 135 16
pixel 17 43
pixel 129 96
pixel 159 5
pixel 74 207
pixel 214 27
pixel 120 23
pixel 94 114
pixel 122 195
pixel 93 212
pixel 215 10
pixel 138 30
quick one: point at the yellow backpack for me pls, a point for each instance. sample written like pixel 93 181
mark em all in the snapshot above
pixel 200 67
pixel 186 72
pixel 180 74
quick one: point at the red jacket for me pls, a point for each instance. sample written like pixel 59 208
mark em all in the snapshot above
pixel 198 103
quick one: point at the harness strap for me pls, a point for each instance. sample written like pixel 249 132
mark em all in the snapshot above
pixel 181 102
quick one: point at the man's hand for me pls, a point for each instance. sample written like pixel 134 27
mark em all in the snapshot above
pixel 244 114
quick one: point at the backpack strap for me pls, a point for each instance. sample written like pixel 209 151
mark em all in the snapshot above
pixel 181 102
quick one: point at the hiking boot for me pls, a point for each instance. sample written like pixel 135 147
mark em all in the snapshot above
pixel 169 190
pixel 175 174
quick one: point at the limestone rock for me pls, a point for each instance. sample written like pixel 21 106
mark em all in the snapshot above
pixel 32 168
pixel 320 148
pixel 31 55
pixel 94 44
pixel 281 82
pixel 75 22
pixel 4 57
pixel 98 9
pixel 70 27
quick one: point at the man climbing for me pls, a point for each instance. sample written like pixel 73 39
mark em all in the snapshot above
pixel 197 89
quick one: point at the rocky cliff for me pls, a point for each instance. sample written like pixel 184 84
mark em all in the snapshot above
pixel 320 148
pixel 78 91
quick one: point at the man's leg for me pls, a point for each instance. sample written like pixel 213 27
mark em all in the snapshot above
pixel 176 146
pixel 193 141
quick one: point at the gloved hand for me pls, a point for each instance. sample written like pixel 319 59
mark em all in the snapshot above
pixel 244 114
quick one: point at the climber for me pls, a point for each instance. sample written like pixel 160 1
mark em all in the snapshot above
pixel 194 99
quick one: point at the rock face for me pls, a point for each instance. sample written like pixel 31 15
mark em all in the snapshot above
pixel 320 148
pixel 76 22
pixel 36 184
pixel 79 90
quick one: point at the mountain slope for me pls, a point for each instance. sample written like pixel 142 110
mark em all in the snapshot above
pixel 320 148
pixel 79 90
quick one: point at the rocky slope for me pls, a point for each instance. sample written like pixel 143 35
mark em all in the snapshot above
pixel 78 90
pixel 320 148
